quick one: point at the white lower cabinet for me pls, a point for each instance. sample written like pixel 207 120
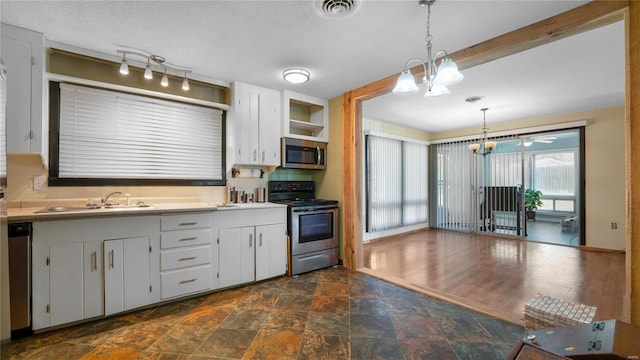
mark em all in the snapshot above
pixel 187 258
pixel 237 256
pixel 66 296
pixel 127 274
pixel 87 268
pixel 75 282
pixel 252 245
pixel 271 251
pixel 77 275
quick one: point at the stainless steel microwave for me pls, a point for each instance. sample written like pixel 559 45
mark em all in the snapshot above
pixel 303 154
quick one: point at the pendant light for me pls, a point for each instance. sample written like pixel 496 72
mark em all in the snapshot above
pixel 437 78
pixel 485 147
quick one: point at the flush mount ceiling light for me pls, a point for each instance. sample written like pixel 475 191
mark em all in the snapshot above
pixel 296 76
pixel 437 78
pixel 485 147
pixel 153 60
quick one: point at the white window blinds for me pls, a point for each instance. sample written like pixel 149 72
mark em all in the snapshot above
pixel 106 134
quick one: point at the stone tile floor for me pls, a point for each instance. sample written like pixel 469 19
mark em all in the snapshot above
pixel 326 314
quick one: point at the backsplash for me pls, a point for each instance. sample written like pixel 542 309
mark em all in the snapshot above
pixel 22 168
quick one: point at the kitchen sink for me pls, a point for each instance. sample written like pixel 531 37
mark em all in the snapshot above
pixel 108 207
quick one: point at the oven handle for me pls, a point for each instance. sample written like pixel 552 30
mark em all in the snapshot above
pixel 317 210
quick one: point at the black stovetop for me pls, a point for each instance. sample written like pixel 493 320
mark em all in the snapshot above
pixel 296 194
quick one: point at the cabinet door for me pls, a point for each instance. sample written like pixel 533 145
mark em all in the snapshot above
pixel 236 256
pixel 65 283
pixel 92 279
pixel 113 277
pixel 126 275
pixel 17 56
pixel 270 128
pixel 229 252
pixel 271 251
pixel 246 117
pixel 248 255
pixel 136 272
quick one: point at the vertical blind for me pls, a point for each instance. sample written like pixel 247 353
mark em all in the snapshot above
pixel 396 183
pixel 106 134
pixel 479 193
pixel 455 205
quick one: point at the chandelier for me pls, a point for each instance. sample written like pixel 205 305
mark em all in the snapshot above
pixel 156 60
pixel 437 78
pixel 485 147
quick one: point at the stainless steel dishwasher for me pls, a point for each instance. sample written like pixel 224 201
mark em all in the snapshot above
pixel 20 279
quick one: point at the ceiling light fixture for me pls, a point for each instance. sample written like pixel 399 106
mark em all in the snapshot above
pixel 165 79
pixel 485 147
pixel 437 78
pixel 148 74
pixel 124 67
pixel 185 82
pixel 154 60
pixel 296 76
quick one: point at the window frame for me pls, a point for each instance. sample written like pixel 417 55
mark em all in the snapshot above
pixel 54 151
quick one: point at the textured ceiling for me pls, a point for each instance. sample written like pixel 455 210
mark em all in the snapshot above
pixel 253 41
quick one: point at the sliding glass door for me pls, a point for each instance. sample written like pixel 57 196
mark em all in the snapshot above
pixel 489 194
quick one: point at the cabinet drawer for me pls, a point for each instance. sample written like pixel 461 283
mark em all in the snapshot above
pixel 185 221
pixel 176 239
pixel 182 282
pixel 181 258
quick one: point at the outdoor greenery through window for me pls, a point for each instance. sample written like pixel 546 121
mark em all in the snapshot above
pixel 106 137
pixel 396 191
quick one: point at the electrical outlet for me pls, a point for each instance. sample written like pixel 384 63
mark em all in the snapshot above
pixel 614 225
pixel 39 182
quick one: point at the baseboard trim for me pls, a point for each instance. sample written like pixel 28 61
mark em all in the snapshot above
pixel 602 250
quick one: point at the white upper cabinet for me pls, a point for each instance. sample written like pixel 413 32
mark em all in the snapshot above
pixel 305 117
pixel 253 126
pixel 27 120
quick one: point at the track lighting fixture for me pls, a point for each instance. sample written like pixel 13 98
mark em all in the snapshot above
pixel 152 60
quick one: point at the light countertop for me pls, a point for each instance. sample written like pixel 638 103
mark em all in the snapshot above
pixel 34 214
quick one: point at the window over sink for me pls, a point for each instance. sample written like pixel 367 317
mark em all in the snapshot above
pixel 105 137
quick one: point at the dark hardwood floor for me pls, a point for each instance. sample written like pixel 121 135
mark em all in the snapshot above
pixel 497 275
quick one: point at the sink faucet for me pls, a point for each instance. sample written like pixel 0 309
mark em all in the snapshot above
pixel 106 198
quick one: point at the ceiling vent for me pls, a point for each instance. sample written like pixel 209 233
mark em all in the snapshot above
pixel 336 9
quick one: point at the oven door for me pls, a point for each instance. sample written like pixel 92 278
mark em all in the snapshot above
pixel 313 229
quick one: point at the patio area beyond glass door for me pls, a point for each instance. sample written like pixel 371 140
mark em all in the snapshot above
pixel 486 194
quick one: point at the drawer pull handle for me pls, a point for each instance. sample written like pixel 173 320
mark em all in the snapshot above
pixel 187 258
pixel 188 281
pixel 188 239
pixel 188 223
